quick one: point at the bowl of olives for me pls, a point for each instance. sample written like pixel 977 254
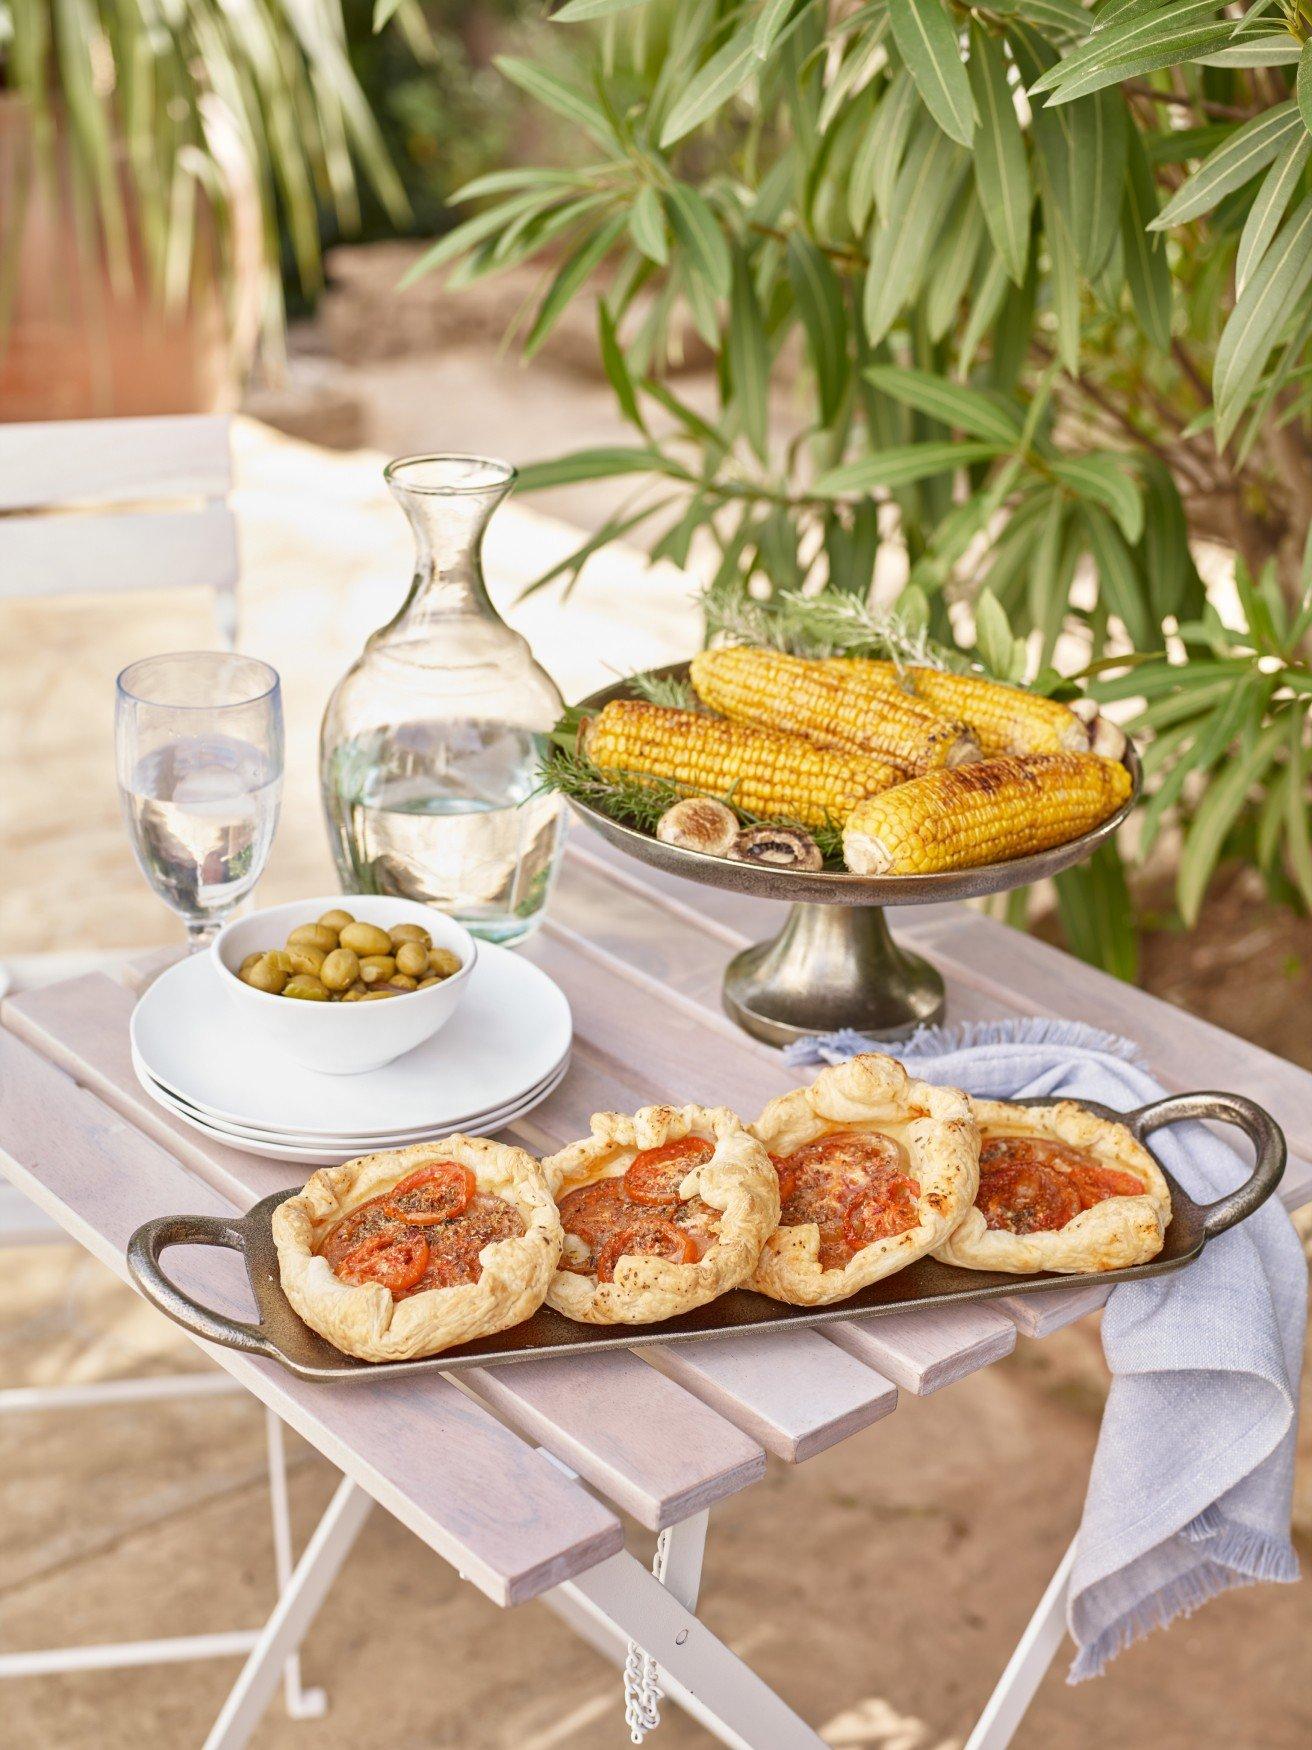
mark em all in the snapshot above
pixel 345 985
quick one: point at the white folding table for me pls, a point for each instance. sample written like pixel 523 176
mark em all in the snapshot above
pixel 516 1475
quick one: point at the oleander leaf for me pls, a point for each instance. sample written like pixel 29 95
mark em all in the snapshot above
pixel 1249 149
pixel 647 225
pixel 981 415
pixel 747 357
pixel 1259 317
pixel 1147 270
pixel 574 271
pixel 697 230
pixel 1124 589
pixel 1222 803
pixel 564 99
pixel 594 464
pixel 926 187
pixel 1106 481
pixel 878 157
pixel 1139 42
pixel 927 42
pixel 900 465
pixel 1002 173
pixel 576 11
pixel 1269 207
pixel 711 87
pixel 819 299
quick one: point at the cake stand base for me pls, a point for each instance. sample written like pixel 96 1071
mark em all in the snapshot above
pixel 831 966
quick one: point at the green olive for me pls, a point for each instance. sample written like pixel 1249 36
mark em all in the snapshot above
pixel 266 976
pixel 366 939
pixel 280 958
pixel 412 958
pixel 313 936
pixel 350 996
pixel 372 996
pixel 340 970
pixel 377 968
pixel 443 962
pixel 402 981
pixel 304 958
pixel 306 986
pixel 410 933
pixel 337 919
pixel 249 961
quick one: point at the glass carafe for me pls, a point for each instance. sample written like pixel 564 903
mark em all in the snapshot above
pixel 431 742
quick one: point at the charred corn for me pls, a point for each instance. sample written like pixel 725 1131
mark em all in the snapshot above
pixel 835 705
pixel 984 813
pixel 765 772
pixel 1004 719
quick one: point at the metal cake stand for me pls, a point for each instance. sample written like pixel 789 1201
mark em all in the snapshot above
pixel 834 963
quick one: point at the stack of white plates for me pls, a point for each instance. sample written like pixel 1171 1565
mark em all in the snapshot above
pixel 503 1051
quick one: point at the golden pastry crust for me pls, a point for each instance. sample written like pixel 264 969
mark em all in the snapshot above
pixel 365 1320
pixel 1111 1235
pixel 934 1125
pixel 738 1180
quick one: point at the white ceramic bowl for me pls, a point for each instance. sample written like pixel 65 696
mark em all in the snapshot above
pixel 343 1039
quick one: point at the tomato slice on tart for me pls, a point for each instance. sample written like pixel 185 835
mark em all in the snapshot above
pixel 434 1193
pixel 699 1220
pixel 1033 1184
pixel 649 1236
pixel 879 1211
pixel 352 1230
pixel 1025 1199
pixel 454 1246
pixel 590 1215
pixel 395 1261
pixel 1094 1183
pixel 654 1176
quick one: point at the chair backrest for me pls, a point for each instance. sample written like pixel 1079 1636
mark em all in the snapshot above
pixel 98 505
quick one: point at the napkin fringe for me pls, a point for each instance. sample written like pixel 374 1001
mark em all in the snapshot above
pixel 935 1041
pixel 1256 1554
pixel 1182 1596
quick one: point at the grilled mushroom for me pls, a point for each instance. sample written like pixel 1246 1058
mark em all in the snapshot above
pixel 778 847
pixel 699 823
pixel 1105 737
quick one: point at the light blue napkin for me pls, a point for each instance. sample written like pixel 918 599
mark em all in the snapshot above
pixel 1192 1478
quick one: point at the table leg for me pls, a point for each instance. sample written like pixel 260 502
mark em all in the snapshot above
pixel 301 1703
pixel 297 1606
pixel 618 1601
pixel 1028 1665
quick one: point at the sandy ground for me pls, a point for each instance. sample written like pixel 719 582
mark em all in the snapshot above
pixel 881 1585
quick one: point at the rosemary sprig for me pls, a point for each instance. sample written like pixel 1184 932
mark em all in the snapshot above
pixel 829 624
pixel 637 799
pixel 665 689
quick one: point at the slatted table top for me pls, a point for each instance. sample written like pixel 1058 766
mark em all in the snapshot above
pixel 660 1433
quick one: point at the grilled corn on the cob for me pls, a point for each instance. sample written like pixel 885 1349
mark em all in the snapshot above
pixel 836 705
pixel 984 813
pixel 774 775
pixel 1004 719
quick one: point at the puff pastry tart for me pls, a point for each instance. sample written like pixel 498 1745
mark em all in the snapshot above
pixel 874 1171
pixel 415 1250
pixel 661 1211
pixel 1059 1189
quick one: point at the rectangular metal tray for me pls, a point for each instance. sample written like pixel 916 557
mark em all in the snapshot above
pixel 282 1335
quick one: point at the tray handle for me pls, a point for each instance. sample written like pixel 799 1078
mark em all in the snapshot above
pixel 1258 1126
pixel 143 1257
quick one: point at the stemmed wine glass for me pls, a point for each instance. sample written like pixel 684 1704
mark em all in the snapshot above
pixel 199 742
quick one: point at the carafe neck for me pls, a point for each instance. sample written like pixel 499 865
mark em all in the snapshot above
pixel 448 501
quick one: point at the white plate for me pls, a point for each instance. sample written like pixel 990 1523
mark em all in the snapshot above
pixel 322 1139
pixel 512 1029
pixel 331 1157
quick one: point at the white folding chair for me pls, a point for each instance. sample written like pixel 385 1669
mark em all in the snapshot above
pixel 97 507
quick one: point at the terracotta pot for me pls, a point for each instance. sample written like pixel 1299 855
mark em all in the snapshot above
pixel 78 342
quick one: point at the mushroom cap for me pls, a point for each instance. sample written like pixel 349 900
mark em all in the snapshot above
pixel 699 823
pixel 778 847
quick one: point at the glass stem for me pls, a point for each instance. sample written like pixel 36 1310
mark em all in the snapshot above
pixel 200 933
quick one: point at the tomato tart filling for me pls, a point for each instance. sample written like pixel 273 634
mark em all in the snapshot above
pixel 426 1232
pixel 639 1213
pixel 1035 1184
pixel 853 1185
